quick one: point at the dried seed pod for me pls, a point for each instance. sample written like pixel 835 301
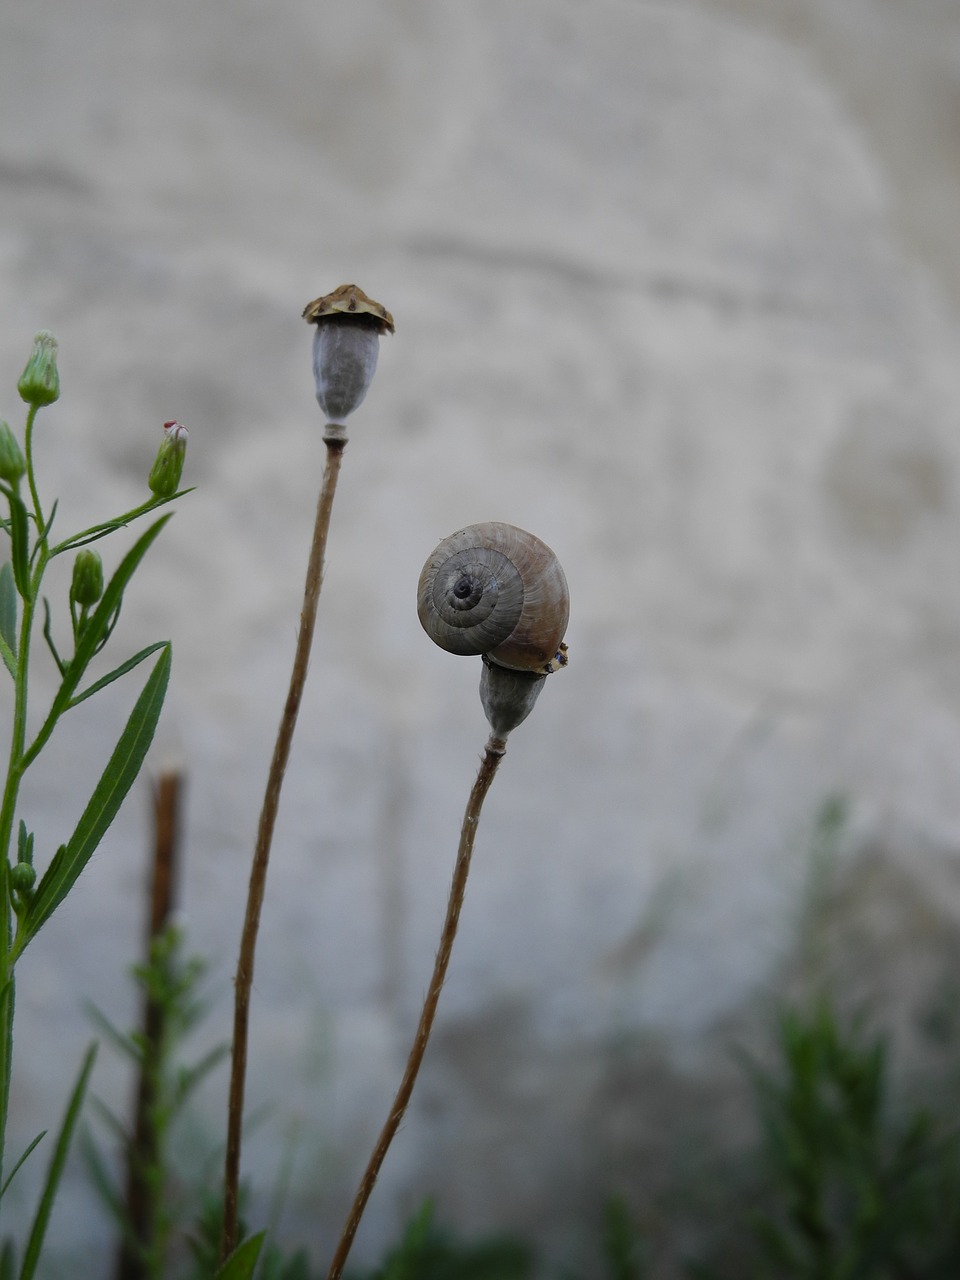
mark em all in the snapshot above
pixel 496 590
pixel 345 347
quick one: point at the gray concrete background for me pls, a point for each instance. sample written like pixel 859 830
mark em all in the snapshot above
pixel 676 288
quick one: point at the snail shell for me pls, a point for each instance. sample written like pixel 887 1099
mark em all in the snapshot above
pixel 497 590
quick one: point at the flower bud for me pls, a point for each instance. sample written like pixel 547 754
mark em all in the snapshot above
pixel 40 382
pixel 22 877
pixel 87 585
pixel 12 462
pixel 168 465
pixel 345 347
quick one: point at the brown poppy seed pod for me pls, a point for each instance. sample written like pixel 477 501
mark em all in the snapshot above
pixel 496 590
pixel 345 347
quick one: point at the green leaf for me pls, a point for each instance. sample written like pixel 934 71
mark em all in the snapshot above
pixel 106 527
pixel 105 1187
pixel 117 779
pixel 8 614
pixel 19 542
pixel 118 672
pixel 241 1263
pixel 35 1242
pixel 124 1044
pixel 8 1261
pixel 98 626
pixel 48 636
pixel 100 620
pixel 37 1140
pixel 190 1077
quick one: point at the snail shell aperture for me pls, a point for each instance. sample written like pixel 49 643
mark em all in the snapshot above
pixel 497 590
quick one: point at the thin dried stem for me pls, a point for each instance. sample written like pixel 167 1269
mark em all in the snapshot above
pixel 335 438
pixel 493 754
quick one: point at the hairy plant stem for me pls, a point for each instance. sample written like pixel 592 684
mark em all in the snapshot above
pixel 493 754
pixel 11 791
pixel 336 441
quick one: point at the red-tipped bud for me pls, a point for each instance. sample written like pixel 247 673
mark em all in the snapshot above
pixel 168 465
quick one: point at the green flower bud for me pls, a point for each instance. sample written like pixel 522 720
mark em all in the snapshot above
pixel 12 462
pixel 87 585
pixel 40 382
pixel 168 466
pixel 22 877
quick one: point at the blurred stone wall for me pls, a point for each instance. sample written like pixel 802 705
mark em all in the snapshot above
pixel 676 288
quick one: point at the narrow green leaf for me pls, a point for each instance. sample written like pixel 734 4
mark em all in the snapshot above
pixel 8 609
pixel 117 779
pixel 9 658
pixel 109 603
pixel 120 1041
pixel 121 1133
pixel 45 531
pixel 106 527
pixel 242 1262
pixel 35 1242
pixel 48 636
pixel 36 1142
pixel 101 618
pixel 118 672
pixel 8 1260
pixel 19 542
pixel 191 1077
pixel 104 1185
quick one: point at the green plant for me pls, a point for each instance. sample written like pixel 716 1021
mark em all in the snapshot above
pixel 426 1252
pixel 623 1248
pixel 150 1214
pixel 850 1190
pixel 93 609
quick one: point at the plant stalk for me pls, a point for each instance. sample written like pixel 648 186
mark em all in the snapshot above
pixel 141 1253
pixel 336 441
pixel 493 754
pixel 8 806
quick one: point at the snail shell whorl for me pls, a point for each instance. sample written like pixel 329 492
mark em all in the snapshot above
pixel 497 590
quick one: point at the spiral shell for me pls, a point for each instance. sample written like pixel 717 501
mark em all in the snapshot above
pixel 497 590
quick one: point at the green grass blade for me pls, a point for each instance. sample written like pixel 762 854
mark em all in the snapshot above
pixel 242 1262
pixel 37 1232
pixel 117 779
pixel 36 1142
pixel 117 672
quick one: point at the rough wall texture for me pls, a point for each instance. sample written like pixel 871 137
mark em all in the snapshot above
pixel 676 288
